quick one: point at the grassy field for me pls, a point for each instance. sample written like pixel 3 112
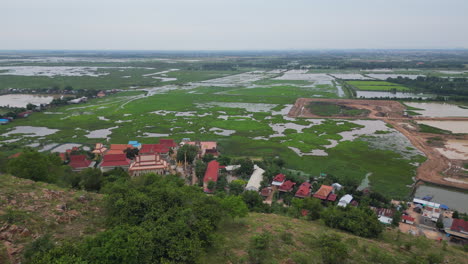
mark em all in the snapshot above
pixel 295 241
pixel 245 120
pixel 377 86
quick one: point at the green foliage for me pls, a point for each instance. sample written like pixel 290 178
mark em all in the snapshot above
pixel 91 179
pixel 236 187
pixel 253 200
pixel 34 166
pixel 187 153
pixel 258 250
pixel 208 157
pixel 332 249
pixel 234 206
pixel 359 221
pixel 246 167
pixel 433 130
pixel 13 216
pixel 312 205
pixel 39 246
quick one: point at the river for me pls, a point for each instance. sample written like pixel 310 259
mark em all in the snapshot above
pixel 455 200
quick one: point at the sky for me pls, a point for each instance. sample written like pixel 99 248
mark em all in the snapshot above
pixel 233 24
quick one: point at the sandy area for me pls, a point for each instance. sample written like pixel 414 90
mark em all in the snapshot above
pixel 455 149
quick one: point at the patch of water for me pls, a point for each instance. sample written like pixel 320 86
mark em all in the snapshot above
pixel 365 183
pixel 453 126
pixel 455 149
pixel 30 131
pixel 22 100
pixel 250 107
pixel 378 94
pixel 51 71
pixel 222 132
pixel 350 76
pixel 100 133
pixel 62 148
pixel 303 75
pixel 103 118
pixel 439 109
pixel 149 134
pixel 48 147
pixel 386 76
pixel 455 200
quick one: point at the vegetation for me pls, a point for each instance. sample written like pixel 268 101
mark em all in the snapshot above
pixel 331 109
pixel 433 130
pixel 377 86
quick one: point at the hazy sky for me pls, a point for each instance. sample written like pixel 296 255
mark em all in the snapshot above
pixel 233 24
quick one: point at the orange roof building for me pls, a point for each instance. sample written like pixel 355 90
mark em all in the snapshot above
pixel 323 192
pixel 118 148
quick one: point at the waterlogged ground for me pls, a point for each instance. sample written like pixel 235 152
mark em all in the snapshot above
pixel 246 114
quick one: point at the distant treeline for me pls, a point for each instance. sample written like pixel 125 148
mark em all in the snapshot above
pixel 453 87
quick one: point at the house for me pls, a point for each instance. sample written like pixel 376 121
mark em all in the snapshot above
pixel 4 121
pixel 154 148
pixel 255 179
pixel 431 213
pixel 324 192
pixel 99 149
pixel 336 186
pixel 278 180
pixel 407 219
pixel 24 114
pixel 304 190
pixel 80 162
pixel 458 230
pixel 168 143
pixel 148 163
pixel 384 215
pixel 425 203
pixel 17 154
pixel 287 186
pixel 265 192
pixel 206 147
pixel 101 94
pixel 111 161
pixel 345 200
pixel 211 174
pixel 118 148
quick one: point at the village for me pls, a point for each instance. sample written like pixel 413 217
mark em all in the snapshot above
pixel 418 217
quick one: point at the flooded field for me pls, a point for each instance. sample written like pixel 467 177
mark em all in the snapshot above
pixel 30 131
pixel 350 76
pixel 439 110
pixel 377 94
pixel 455 149
pixel 51 71
pixel 386 76
pixel 303 75
pixel 455 200
pixel 21 100
pixel 453 126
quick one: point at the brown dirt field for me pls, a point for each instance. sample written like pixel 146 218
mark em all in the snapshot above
pixel 391 112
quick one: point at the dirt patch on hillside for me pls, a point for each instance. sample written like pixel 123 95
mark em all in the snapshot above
pixel 439 168
pixel 29 210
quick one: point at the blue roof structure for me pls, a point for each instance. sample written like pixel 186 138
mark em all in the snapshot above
pixel 443 206
pixel 4 121
pixel 134 143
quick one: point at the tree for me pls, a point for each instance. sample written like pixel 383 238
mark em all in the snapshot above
pixel 258 249
pixel 91 179
pixel 30 106
pixel 187 153
pixel 359 221
pixel 246 167
pixel 253 200
pixel 455 214
pixel 236 187
pixel 30 165
pixel 235 206
pixel 396 218
pixel 131 153
pixel 332 249
pixel 200 169
pixel 208 157
pixel 211 185
pixel 224 160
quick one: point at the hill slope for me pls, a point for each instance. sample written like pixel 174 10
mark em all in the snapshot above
pixel 299 241
pixel 31 209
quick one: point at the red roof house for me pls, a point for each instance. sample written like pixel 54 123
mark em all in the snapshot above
pixel 332 197
pixel 278 180
pixel 79 162
pixel 169 143
pixel 407 219
pixel 211 173
pixel 459 225
pixel 153 149
pixel 266 191
pixel 287 186
pixel 111 161
pixel 324 192
pixel 304 190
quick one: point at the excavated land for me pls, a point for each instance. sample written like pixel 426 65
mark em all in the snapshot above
pixel 437 169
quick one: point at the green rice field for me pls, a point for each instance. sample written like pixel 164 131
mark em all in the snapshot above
pixel 377 86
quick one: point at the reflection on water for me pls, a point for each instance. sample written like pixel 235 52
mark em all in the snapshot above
pixel 455 200
pixel 439 110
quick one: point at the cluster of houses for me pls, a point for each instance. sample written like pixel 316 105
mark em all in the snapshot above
pixel 147 158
